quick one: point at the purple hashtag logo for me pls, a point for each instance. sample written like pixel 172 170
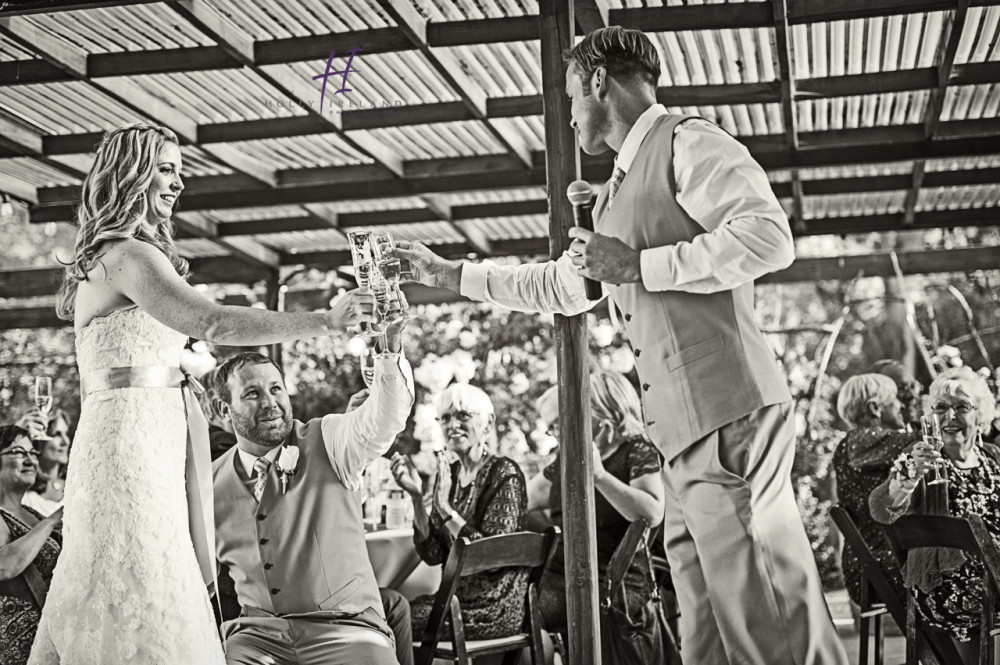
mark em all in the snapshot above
pixel 345 71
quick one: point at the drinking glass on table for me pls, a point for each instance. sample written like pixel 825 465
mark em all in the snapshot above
pixel 361 258
pixel 930 428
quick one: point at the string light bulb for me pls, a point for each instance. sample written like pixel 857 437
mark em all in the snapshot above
pixel 6 207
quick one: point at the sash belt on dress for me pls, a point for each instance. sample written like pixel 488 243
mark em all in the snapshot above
pixel 198 466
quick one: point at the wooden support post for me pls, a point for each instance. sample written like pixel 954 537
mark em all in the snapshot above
pixel 577 470
pixel 274 298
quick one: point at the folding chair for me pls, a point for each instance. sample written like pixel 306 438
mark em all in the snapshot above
pixel 969 535
pixel 635 537
pixel 469 557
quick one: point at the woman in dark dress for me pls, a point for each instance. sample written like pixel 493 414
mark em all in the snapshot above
pixel 26 538
pixel 628 487
pixel 478 495
pixel 870 405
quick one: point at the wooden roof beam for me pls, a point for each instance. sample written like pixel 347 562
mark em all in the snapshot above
pixel 129 94
pixel 944 65
pixel 510 107
pixel 477 241
pixel 323 185
pixel 591 14
pixel 782 48
pixel 446 63
pixel 243 48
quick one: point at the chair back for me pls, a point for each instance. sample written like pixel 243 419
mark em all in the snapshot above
pixel 534 551
pixel 871 568
pixel 969 535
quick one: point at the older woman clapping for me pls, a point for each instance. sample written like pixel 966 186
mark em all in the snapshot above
pixel 964 406
pixel 27 540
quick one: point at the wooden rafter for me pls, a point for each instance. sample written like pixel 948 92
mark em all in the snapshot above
pixel 447 64
pixel 301 186
pixel 783 55
pixel 74 62
pixel 944 65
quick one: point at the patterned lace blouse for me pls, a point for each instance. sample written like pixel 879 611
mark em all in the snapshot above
pixel 494 503
pixel 19 614
pixel 954 605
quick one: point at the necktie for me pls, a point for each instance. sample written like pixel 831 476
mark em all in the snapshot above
pixel 260 466
pixel 616 182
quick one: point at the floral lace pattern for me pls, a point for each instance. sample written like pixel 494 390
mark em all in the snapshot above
pixel 127 587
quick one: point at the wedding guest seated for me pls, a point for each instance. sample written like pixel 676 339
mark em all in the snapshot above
pixel 628 487
pixel 908 389
pixel 28 540
pixel 949 589
pixel 478 495
pixel 288 516
pixel 870 406
pixel 50 437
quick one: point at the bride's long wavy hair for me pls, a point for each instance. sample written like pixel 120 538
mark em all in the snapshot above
pixel 113 205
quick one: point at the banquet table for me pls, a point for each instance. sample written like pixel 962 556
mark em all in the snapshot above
pixel 397 564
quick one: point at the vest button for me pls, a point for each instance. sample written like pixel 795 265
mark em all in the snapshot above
pixel 275 591
pixel 261 518
pixel 645 386
pixel 264 541
pixel 628 317
pixel 637 352
pixel 268 566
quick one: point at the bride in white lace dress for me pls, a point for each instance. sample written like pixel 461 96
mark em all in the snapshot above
pixel 128 587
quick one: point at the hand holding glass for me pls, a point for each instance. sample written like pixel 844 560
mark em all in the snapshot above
pixel 43 394
pixel 930 427
pixel 390 268
pixel 361 258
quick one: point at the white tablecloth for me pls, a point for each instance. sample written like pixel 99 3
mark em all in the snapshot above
pixel 397 565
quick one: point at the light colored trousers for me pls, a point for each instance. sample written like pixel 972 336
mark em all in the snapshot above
pixel 264 639
pixel 746 582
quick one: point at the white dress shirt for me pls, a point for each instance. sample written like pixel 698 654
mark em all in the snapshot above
pixel 718 184
pixel 354 439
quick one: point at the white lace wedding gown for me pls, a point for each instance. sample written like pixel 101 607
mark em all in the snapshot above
pixel 127 587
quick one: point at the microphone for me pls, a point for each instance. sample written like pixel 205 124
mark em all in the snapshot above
pixel 579 194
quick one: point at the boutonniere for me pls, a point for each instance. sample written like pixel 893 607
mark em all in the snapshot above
pixel 288 464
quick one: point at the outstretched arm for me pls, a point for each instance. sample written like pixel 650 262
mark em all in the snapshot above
pixel 144 275
pixel 551 286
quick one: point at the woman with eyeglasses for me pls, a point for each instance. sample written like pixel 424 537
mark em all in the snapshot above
pixel 28 540
pixel 964 406
pixel 480 494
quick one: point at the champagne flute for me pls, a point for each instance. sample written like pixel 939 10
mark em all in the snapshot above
pixel 930 428
pixel 390 267
pixel 361 257
pixel 43 394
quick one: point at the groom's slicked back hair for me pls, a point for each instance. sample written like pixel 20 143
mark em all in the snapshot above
pixel 625 53
pixel 222 374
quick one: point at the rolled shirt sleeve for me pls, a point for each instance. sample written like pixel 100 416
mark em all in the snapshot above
pixel 728 194
pixel 354 439
pixel 552 287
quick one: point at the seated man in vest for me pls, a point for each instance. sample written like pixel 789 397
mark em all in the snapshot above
pixel 288 516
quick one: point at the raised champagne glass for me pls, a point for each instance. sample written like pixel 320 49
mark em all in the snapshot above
pixel 930 428
pixel 361 257
pixel 43 394
pixel 382 244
